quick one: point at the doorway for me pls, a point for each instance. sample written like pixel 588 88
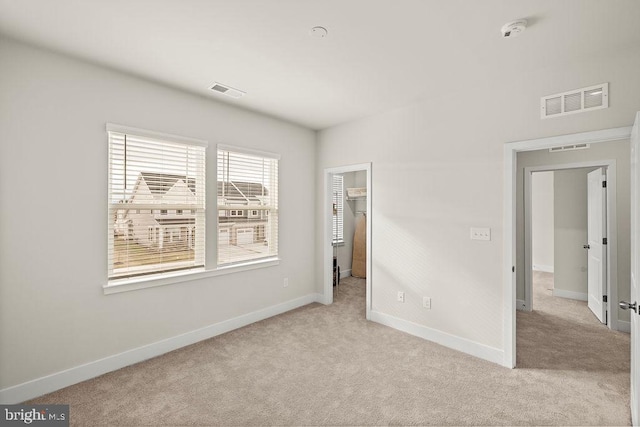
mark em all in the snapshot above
pixel 587 268
pixel 362 203
pixel 511 218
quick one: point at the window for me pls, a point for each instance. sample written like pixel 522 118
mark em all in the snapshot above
pixel 338 209
pixel 247 178
pixel 150 173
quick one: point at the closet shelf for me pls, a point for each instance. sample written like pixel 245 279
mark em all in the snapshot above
pixel 358 193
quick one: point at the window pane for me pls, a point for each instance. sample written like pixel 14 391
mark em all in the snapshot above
pixel 247 207
pixel 150 181
pixel 338 208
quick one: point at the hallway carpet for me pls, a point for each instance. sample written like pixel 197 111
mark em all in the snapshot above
pixel 326 365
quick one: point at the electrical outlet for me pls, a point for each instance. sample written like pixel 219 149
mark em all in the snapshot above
pixel 286 282
pixel 426 303
pixel 400 296
pixel 480 233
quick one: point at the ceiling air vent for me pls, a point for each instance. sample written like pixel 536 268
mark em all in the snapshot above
pixel 569 148
pixel 227 90
pixel 575 101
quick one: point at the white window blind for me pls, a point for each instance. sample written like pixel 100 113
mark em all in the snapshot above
pixel 156 203
pixel 247 206
pixel 338 209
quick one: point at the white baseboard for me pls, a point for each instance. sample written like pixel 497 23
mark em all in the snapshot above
pixel 580 296
pixel 345 273
pixel 473 348
pixel 38 387
pixel 545 268
pixel 624 326
pixel 520 305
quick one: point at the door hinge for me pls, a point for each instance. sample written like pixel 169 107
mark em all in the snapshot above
pixel 513 269
pixel 604 184
pixel 604 240
pixel 604 298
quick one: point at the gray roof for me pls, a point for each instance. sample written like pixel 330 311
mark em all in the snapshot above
pixel 250 190
pixel 160 183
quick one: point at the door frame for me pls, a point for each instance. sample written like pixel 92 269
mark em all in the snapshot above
pixel 611 232
pixel 327 259
pixel 509 226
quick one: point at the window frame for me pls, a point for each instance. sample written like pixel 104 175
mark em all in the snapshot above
pixel 117 283
pixel 339 201
pixel 211 267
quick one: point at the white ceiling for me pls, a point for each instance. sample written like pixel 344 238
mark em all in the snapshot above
pixel 379 54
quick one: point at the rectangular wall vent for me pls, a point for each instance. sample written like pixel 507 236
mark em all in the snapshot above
pixel 575 101
pixel 569 148
pixel 227 90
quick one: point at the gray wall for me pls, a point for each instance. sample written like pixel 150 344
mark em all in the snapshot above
pixel 542 221
pixel 616 150
pixel 437 170
pixel 53 224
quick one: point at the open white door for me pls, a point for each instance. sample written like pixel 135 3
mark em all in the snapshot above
pixel 635 274
pixel 597 250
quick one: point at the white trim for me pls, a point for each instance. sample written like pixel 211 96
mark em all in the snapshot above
pixel 543 268
pixel 249 151
pixel 624 326
pixel 509 231
pixel 473 348
pixel 509 253
pixel 580 296
pixel 179 139
pixel 593 137
pixel 520 305
pixel 162 279
pixel 47 384
pixel 345 273
pixel 612 230
pixel 327 275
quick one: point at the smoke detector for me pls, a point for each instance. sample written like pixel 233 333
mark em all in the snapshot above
pixel 513 29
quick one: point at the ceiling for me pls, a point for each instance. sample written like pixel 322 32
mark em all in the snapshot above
pixel 379 54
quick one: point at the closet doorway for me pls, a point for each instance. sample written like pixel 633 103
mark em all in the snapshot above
pixel 347 220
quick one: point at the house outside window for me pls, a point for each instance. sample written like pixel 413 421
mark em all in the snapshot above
pixel 247 205
pixel 151 174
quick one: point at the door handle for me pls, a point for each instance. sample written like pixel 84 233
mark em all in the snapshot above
pixel 586 246
pixel 625 305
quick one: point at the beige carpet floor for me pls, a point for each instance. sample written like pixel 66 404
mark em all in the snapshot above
pixel 326 365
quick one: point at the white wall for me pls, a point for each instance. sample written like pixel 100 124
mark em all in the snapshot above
pixel 570 187
pixel 542 221
pixel 615 150
pixel 53 223
pixel 437 170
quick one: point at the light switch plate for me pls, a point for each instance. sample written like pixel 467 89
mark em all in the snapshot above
pixel 480 233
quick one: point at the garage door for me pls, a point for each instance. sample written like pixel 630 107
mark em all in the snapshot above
pixel 245 236
pixel 223 237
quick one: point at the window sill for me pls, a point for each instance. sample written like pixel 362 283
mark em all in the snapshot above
pixel 126 285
